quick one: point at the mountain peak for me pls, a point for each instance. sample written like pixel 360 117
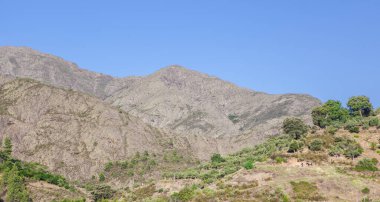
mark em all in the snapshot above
pixel 178 72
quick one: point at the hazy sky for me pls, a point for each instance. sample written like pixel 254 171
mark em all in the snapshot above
pixel 327 48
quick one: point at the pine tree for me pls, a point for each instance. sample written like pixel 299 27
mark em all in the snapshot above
pixel 16 190
pixel 7 146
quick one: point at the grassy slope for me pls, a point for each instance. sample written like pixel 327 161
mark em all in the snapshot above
pixel 328 179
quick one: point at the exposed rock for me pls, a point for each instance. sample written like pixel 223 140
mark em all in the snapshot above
pixel 72 133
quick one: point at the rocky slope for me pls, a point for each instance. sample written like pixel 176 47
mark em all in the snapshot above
pixel 27 63
pixel 72 133
pixel 205 109
pixel 189 102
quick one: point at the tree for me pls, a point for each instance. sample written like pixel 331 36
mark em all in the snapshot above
pixel 360 106
pixel 329 113
pixel 16 190
pixel 294 127
pixel 7 146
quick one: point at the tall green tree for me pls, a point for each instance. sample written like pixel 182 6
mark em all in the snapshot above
pixel 360 106
pixel 16 190
pixel 294 127
pixel 329 113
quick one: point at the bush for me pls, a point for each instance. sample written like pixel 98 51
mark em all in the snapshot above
pixel 374 121
pixel 347 147
pixel 100 192
pixel 373 146
pixel 280 159
pixel 217 158
pixel 294 127
pixel 353 150
pixel 248 165
pixel 108 166
pixel 331 130
pixel 352 127
pixel 186 194
pixel 316 145
pixel 367 165
pixel 377 111
pixel 365 190
pixel 102 177
pixel 360 106
pixel 294 146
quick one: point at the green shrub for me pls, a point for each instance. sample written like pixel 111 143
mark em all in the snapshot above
pixel 233 118
pixel 294 146
pixel 294 127
pixel 102 178
pixel 186 194
pixel 217 158
pixel 144 192
pixel 316 145
pixel 374 121
pixel 108 166
pixel 345 146
pixel 280 159
pixel 367 165
pixel 373 146
pixel 331 130
pixel 366 199
pixel 100 192
pixel 365 190
pixel 353 150
pixel 248 165
pixel 377 111
pixel 352 127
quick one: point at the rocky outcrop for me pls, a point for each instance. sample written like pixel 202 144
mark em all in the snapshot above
pixel 72 133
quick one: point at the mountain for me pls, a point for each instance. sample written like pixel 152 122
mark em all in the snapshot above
pixel 211 114
pixel 189 102
pixel 27 63
pixel 72 133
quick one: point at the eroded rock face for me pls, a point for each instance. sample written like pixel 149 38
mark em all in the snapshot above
pixel 72 133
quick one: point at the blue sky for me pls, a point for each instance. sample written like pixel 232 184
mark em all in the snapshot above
pixel 327 48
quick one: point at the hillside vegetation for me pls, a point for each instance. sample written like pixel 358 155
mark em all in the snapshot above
pixel 329 162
